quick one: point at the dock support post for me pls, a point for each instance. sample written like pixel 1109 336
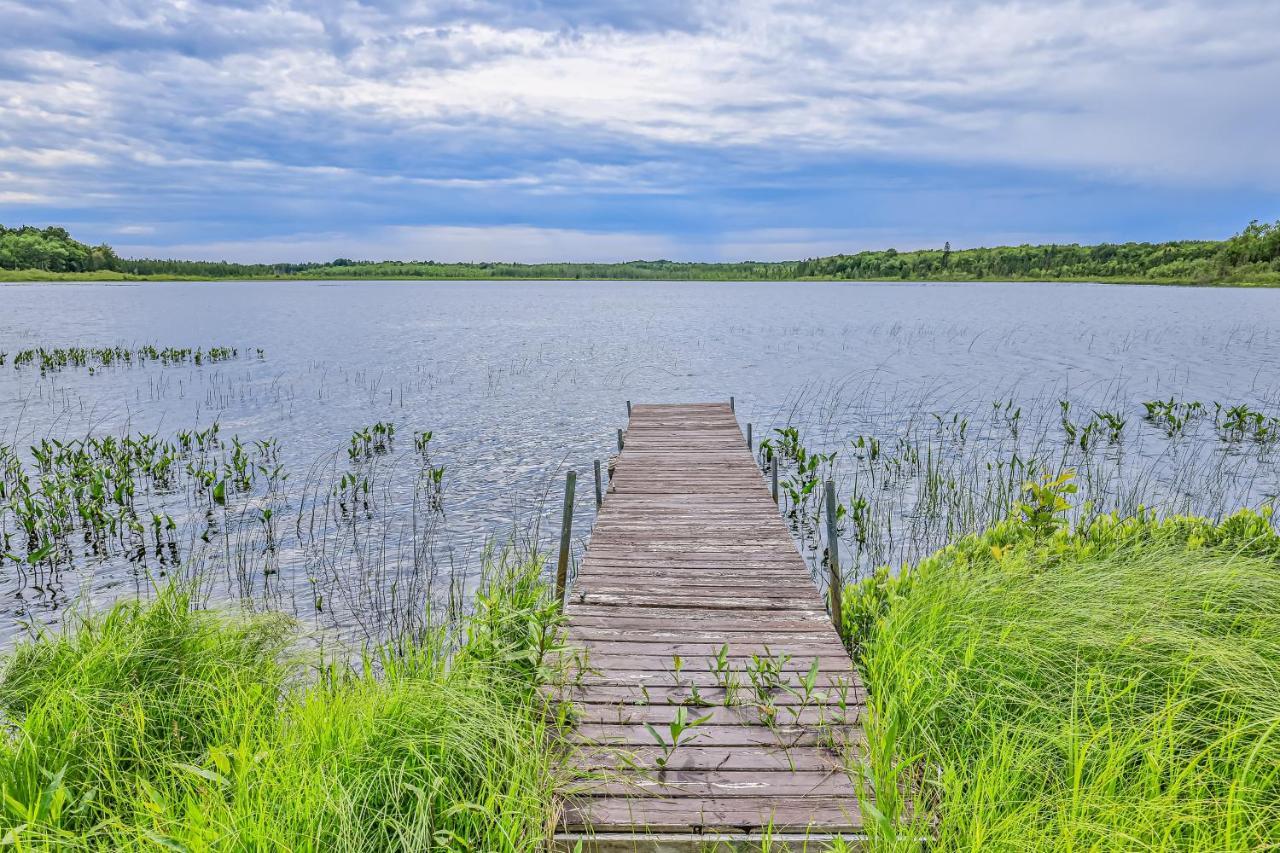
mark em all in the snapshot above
pixel 628 408
pixel 774 477
pixel 619 441
pixel 566 526
pixel 834 593
pixel 599 496
pixel 731 406
pixel 749 446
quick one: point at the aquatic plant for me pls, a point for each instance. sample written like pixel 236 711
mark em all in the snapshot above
pixel 89 498
pixel 1240 422
pixel 802 470
pixel 1108 425
pixel 53 359
pixel 928 479
pixel 1171 415
pixel 374 440
pixel 202 503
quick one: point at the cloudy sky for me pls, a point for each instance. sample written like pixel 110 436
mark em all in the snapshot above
pixel 596 130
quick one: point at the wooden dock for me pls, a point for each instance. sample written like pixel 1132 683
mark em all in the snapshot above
pixel 690 560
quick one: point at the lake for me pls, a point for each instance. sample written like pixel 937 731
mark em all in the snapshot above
pixel 520 381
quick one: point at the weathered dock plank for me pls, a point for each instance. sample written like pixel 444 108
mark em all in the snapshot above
pixel 689 562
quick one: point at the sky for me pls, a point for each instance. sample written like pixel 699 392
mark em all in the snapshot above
pixel 592 130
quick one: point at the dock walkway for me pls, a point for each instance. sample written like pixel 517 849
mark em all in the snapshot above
pixel 692 599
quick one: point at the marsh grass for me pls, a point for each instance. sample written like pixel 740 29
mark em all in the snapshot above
pixel 156 725
pixel 916 473
pixel 352 548
pixel 1112 688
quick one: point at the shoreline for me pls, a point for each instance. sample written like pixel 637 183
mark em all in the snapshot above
pixel 41 277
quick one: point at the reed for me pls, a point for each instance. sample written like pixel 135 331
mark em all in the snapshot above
pixel 912 484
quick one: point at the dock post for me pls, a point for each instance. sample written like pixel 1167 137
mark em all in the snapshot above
pixel 834 592
pixel 731 406
pixel 619 441
pixel 749 446
pixel 774 477
pixel 628 408
pixel 566 525
pixel 599 498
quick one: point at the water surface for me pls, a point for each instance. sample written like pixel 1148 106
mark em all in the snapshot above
pixel 521 380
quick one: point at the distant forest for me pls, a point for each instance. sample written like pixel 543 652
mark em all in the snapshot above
pixel 1252 256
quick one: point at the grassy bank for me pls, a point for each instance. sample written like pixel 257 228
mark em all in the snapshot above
pixel 94 275
pixel 1111 688
pixel 159 726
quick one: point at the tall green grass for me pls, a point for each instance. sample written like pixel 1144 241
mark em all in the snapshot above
pixel 1112 688
pixel 158 726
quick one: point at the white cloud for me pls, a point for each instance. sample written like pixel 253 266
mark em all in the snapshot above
pixel 46 158
pixel 1165 91
pixel 1152 91
pixel 329 119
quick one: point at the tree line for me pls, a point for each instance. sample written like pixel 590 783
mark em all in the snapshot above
pixel 1251 255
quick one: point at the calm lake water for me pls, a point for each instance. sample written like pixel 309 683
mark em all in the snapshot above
pixel 520 381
